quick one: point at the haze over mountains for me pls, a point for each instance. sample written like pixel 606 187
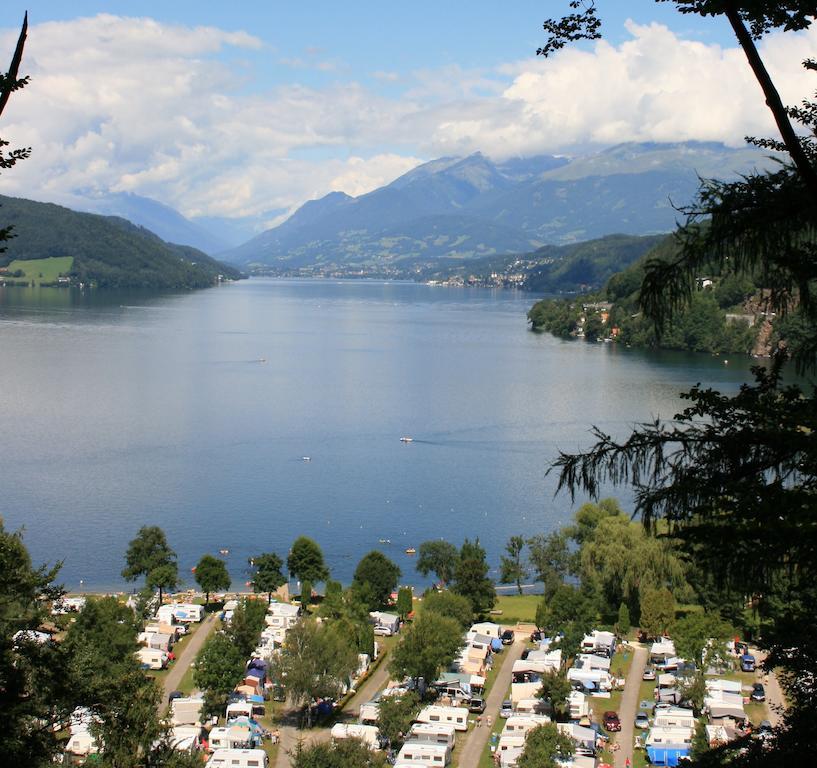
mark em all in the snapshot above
pixel 473 207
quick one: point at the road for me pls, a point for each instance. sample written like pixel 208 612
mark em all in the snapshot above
pixel 288 725
pixel 180 666
pixel 775 700
pixel 477 739
pixel 629 707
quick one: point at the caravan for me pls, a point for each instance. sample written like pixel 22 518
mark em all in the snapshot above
pixel 368 734
pixel 434 714
pixel 433 733
pixel 151 658
pixel 238 758
pixel 424 753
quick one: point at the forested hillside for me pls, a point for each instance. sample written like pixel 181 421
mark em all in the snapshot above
pixel 108 251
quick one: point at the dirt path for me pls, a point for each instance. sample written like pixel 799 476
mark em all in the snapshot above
pixel 775 699
pixel 629 707
pixel 288 725
pixel 177 672
pixel 478 738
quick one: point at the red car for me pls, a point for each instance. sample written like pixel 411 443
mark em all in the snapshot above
pixel 611 722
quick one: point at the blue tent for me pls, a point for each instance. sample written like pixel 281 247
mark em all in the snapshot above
pixel 496 644
pixel 667 755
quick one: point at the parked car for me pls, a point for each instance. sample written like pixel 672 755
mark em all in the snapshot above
pixel 507 637
pixel 642 721
pixel 611 721
pixel 506 710
pixel 758 692
pixel 536 635
pixel 649 673
pixel 381 630
pixel 476 705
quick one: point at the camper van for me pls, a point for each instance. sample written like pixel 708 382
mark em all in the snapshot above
pixel 456 716
pixel 368 734
pixel 238 758
pixel 152 658
pixel 433 733
pixel 424 753
pixel 186 710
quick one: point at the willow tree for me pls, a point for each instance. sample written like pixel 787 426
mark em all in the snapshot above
pixel 734 477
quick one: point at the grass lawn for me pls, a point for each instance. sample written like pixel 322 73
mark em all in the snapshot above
pixel 516 609
pixel 41 270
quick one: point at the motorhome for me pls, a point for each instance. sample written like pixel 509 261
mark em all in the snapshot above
pixel 368 734
pixel 456 716
pixel 433 733
pixel 424 753
pixel 238 758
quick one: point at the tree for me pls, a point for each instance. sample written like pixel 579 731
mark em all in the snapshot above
pixel 700 741
pixel 405 602
pixel 657 611
pixel 346 753
pixel 471 578
pixel 219 667
pixel 438 557
pixel 395 714
pixel 246 625
pixel 149 553
pixel 555 689
pixel 33 682
pixel 735 476
pixel 212 576
pixel 623 623
pixel 9 83
pixel 450 604
pixel 427 646
pixel 568 612
pixel 551 559
pixel 378 575
pixel 512 569
pixel 701 638
pixel 305 561
pixel 546 747
pixel 268 574
pixel 315 663
pixel 306 594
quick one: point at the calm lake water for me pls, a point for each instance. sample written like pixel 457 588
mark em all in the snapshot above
pixel 193 412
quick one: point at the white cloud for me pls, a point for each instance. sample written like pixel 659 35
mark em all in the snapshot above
pixel 124 104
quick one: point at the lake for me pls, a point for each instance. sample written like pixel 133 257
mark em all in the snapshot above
pixel 194 412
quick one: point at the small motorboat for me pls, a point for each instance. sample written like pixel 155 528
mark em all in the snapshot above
pixel 411 551
pixel 406 439
pixel 224 551
pixel 306 458
pixel 385 541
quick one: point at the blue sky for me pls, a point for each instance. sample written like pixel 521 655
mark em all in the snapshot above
pixel 250 108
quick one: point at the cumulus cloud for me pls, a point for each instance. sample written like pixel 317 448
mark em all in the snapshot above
pixel 131 104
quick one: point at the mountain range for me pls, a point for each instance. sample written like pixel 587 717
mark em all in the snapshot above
pixel 473 207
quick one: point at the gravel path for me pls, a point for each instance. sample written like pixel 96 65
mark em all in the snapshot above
pixel 775 699
pixel 629 707
pixel 477 739
pixel 177 671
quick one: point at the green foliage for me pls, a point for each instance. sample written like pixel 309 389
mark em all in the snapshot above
pixel 701 637
pixel 315 663
pixel 107 251
pixel 150 555
pixel 546 747
pixel 657 609
pixel 551 559
pixel 692 689
pixel 33 677
pixel 451 605
pixel 378 576
pixel 306 594
pixel 268 574
pixel 555 689
pixel 395 714
pixel 623 623
pixel 218 669
pixel 700 741
pixel 426 647
pixel 246 625
pixel 305 561
pixel 512 568
pixel 471 578
pixel 350 614
pixel 346 753
pixel 405 602
pixel 438 557
pixel 568 611
pixel 212 575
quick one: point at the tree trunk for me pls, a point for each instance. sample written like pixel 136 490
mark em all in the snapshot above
pixel 269 598
pixel 206 599
pixel 773 101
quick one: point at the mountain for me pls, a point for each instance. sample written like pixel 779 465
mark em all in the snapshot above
pixel 161 219
pixel 107 250
pixel 472 207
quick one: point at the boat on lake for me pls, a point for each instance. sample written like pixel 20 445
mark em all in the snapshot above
pixel 411 551
pixel 406 439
